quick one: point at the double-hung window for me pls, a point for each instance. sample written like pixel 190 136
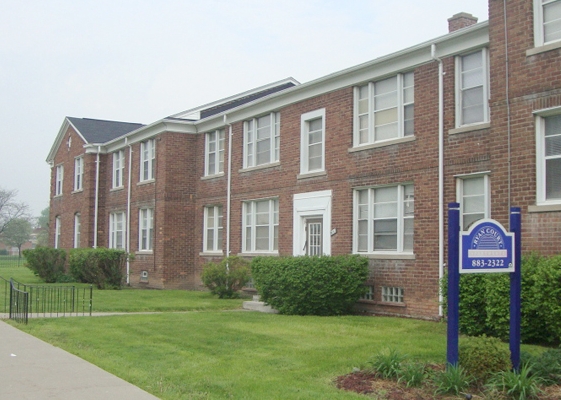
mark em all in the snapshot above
pixel 384 110
pixel 214 152
pixel 473 196
pixel 117 221
pixel 383 219
pixel 260 226
pixel 77 228
pixel 78 173
pixel 261 140
pixel 548 153
pixel 312 142
pixel 212 240
pixel 472 88
pixel 118 168
pixel 145 229
pixel 59 175
pixel 57 232
pixel 147 160
pixel 547 22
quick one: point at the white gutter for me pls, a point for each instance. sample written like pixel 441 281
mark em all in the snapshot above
pixel 229 188
pixel 129 212
pixel 96 206
pixel 440 173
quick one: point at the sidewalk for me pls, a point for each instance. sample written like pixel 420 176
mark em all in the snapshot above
pixel 31 369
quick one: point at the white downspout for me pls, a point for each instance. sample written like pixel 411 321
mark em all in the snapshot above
pixel 96 204
pixel 229 188
pixel 440 172
pixel 129 212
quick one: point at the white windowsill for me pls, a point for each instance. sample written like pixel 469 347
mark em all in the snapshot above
pixel 263 166
pixel 77 191
pixel 211 253
pixel 146 182
pixel 116 189
pixel 544 208
pixel 256 254
pixel 385 143
pixel 543 48
pixel 470 128
pixel 388 256
pixel 209 177
pixel 144 252
pixel 307 175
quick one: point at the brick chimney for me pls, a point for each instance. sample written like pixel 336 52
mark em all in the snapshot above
pixel 460 20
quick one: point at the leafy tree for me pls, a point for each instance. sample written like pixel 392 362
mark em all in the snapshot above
pixel 17 232
pixel 10 208
pixel 43 225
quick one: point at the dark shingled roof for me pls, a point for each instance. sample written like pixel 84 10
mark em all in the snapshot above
pixel 100 131
pixel 238 102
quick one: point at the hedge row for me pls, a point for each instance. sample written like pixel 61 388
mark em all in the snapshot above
pixel 327 285
pixel 485 302
pixel 102 267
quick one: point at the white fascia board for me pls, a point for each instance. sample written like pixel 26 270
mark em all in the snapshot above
pixel 458 42
pixel 150 131
pixel 60 136
pixel 193 111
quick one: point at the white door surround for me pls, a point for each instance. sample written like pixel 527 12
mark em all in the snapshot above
pixel 311 205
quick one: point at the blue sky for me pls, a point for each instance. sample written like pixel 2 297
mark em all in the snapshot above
pixel 142 60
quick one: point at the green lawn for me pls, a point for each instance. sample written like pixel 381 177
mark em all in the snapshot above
pixel 235 354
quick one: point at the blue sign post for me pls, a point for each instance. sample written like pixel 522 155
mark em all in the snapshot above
pixel 485 247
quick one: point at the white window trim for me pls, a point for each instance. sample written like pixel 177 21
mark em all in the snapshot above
pixel 539 39
pixel 57 231
pixel 150 160
pixel 271 226
pixel 79 173
pixel 118 169
pixel 540 157
pixel 77 230
pixel 113 231
pixel 217 247
pixel 392 254
pixel 59 179
pixel 274 134
pixel 304 144
pixel 219 150
pixel 146 225
pixel 459 193
pixel 486 89
pixel 371 111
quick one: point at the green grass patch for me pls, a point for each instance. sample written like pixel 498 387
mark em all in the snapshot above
pixel 224 355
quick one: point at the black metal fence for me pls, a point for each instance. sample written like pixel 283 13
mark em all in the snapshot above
pixel 19 303
pixel 44 300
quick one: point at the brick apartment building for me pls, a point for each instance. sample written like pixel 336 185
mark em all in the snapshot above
pixel 361 161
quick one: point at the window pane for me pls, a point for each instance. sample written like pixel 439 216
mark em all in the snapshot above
pixel 472 102
pixel 474 204
pixel 472 61
pixel 470 219
pixel 472 78
pixel 552 21
pixel 553 179
pixel 386 194
pixel 553 145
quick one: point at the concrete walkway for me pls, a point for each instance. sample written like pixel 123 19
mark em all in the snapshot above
pixel 31 369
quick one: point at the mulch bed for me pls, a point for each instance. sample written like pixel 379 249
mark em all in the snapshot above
pixel 370 384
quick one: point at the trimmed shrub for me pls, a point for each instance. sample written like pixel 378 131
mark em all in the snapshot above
pixel 45 262
pixel 485 300
pixel 104 268
pixel 227 277
pixel 326 285
pixel 3 252
pixel 483 356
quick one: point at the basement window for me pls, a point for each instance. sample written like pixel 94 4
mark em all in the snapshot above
pixel 392 294
pixel 144 276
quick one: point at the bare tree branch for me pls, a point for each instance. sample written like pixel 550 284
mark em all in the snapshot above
pixel 10 209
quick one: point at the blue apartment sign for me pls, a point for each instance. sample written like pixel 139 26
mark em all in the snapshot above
pixel 486 247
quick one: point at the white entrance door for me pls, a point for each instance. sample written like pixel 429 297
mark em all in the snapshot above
pixel 314 237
